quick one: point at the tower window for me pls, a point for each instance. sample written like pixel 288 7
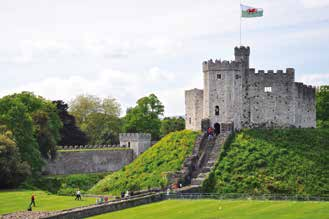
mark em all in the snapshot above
pixel 189 120
pixel 217 111
pixel 219 76
pixel 268 89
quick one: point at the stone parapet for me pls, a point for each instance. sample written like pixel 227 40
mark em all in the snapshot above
pixel 97 209
pixel 81 147
pixel 219 65
pixel 135 137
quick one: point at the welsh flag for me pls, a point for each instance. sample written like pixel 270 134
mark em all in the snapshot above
pixel 248 11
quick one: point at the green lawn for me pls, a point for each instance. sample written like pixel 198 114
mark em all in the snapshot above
pixel 216 209
pixel 12 201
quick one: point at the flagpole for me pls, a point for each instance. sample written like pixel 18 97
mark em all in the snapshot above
pixel 240 22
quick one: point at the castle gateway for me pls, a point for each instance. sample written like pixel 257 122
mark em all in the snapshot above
pixel 235 93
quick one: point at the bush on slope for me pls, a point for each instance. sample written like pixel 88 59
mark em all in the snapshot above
pixel 289 161
pixel 147 170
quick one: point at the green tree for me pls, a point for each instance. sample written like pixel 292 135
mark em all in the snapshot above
pixel 70 132
pixel 47 132
pixel 27 116
pixel 171 124
pixel 102 128
pixel 145 117
pixel 322 106
pixel 12 169
pixel 84 105
pixel 98 118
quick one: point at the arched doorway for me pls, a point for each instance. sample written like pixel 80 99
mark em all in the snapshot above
pixel 217 128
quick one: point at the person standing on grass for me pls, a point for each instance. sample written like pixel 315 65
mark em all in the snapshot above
pixel 32 201
pixel 78 195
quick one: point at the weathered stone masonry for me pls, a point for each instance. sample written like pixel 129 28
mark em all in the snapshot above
pixel 85 161
pixel 99 158
pixel 233 92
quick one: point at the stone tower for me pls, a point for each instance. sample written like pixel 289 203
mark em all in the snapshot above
pixel 139 142
pixel 235 93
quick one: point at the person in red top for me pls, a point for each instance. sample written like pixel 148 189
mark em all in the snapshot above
pixel 32 201
pixel 210 132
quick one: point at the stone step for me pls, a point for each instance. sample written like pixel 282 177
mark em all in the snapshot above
pixel 203 175
pixel 196 182
pixel 206 170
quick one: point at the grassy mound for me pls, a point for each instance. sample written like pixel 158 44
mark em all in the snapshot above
pixel 289 161
pixel 147 170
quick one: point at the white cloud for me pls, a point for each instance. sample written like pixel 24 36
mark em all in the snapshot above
pixel 315 3
pixel 62 55
pixel 127 87
pixel 314 79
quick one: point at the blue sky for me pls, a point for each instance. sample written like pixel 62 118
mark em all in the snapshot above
pixel 128 49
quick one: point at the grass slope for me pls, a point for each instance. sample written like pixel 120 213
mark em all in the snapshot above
pixel 289 161
pixel 12 201
pixel 224 209
pixel 147 170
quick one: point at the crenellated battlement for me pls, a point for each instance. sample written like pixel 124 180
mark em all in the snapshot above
pixel 218 65
pixel 289 71
pixel 242 51
pixel 135 136
pixel 83 147
pixel 305 90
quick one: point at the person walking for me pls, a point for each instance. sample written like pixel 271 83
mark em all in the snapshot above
pixel 32 201
pixel 210 133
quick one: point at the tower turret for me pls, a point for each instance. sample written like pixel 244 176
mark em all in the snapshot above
pixel 242 55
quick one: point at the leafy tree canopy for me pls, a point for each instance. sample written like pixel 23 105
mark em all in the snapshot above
pixel 70 132
pixel 98 118
pixel 84 105
pixel 12 169
pixel 145 117
pixel 34 123
pixel 322 106
pixel 171 124
pixel 102 128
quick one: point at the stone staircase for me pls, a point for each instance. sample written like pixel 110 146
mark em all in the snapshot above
pixel 199 164
pixel 209 156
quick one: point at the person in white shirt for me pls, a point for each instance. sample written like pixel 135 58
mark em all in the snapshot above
pixel 78 195
pixel 127 194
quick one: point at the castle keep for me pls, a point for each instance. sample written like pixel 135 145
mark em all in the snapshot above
pixel 235 93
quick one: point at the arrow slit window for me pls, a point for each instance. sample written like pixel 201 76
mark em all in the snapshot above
pixel 217 111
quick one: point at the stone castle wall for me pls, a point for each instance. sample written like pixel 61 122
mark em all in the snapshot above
pixel 98 158
pixel 305 105
pixel 194 109
pixel 89 161
pixel 270 109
